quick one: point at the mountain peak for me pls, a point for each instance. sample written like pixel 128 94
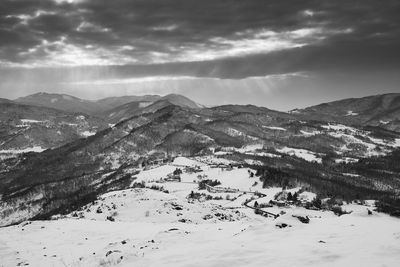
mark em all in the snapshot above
pixel 182 101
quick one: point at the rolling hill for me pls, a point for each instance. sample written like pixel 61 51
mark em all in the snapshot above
pixel 26 128
pixel 60 101
pixel 377 110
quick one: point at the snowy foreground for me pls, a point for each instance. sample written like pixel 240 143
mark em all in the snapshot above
pixel 155 228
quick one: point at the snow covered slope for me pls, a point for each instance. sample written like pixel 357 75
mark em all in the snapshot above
pixel 162 226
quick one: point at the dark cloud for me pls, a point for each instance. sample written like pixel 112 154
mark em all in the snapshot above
pixel 169 27
pixel 53 24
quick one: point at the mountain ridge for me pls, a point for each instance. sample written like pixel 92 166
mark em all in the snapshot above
pixel 376 110
pixel 70 103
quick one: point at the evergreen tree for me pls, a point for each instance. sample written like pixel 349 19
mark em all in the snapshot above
pixel 317 202
pixel 295 197
pixel 255 204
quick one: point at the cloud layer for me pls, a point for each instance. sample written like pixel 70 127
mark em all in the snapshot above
pixel 119 32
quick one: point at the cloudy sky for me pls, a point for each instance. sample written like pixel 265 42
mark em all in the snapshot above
pixel 280 54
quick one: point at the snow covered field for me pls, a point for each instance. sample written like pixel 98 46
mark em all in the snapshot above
pixel 300 153
pixel 155 228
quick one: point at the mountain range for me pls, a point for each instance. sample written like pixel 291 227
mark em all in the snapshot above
pixel 345 148
pixel 93 107
pixel 377 110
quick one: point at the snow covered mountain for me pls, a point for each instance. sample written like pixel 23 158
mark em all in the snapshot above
pixel 25 128
pixel 42 121
pixel 378 110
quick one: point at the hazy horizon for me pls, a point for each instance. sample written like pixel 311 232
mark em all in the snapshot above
pixel 165 94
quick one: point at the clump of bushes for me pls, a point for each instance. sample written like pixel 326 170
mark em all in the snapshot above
pixel 158 188
pixel 315 204
pixel 177 171
pixel 292 197
pixel 202 196
pixel 209 182
pixel 332 204
pixel 110 218
pixel 338 210
pixel 257 211
pixel 141 184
